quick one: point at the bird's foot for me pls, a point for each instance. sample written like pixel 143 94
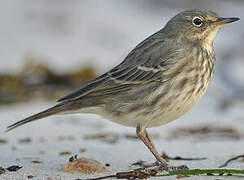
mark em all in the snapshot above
pixel 160 167
pixel 175 169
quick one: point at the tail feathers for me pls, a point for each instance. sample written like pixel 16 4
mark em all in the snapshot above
pixel 54 110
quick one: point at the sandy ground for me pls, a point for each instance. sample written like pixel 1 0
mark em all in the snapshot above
pixel 57 134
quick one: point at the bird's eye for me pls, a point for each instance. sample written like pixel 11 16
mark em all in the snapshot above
pixel 197 21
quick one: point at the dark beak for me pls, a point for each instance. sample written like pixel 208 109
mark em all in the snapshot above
pixel 221 20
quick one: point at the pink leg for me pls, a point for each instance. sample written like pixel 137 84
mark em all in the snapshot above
pixel 145 138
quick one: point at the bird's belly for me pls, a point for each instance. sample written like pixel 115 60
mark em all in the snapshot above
pixel 151 115
pixel 161 114
pixel 156 117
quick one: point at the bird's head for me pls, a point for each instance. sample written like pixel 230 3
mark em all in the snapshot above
pixel 196 26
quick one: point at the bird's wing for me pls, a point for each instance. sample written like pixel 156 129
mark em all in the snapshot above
pixel 116 80
pixel 147 62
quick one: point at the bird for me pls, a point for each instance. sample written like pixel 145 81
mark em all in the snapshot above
pixel 161 79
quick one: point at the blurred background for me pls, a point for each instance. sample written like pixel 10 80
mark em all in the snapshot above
pixel 64 44
pixel 50 48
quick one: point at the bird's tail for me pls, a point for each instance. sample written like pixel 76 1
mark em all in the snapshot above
pixel 51 111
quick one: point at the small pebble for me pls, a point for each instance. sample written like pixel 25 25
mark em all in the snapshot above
pixel 14 168
pixel 64 153
pixel 82 150
pixel 107 164
pixel 36 161
pixel 25 140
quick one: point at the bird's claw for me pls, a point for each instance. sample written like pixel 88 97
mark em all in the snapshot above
pixel 171 169
pixel 176 169
pixel 159 167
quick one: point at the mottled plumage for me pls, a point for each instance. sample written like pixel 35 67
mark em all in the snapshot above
pixel 161 78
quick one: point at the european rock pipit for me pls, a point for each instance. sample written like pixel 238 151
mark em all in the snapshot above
pixel 161 79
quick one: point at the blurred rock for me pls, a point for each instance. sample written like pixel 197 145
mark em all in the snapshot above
pixel 40 81
pixel 3 141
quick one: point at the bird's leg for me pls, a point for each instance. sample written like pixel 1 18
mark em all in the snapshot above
pixel 144 137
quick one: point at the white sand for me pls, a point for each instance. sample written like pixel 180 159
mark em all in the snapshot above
pixel 119 155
